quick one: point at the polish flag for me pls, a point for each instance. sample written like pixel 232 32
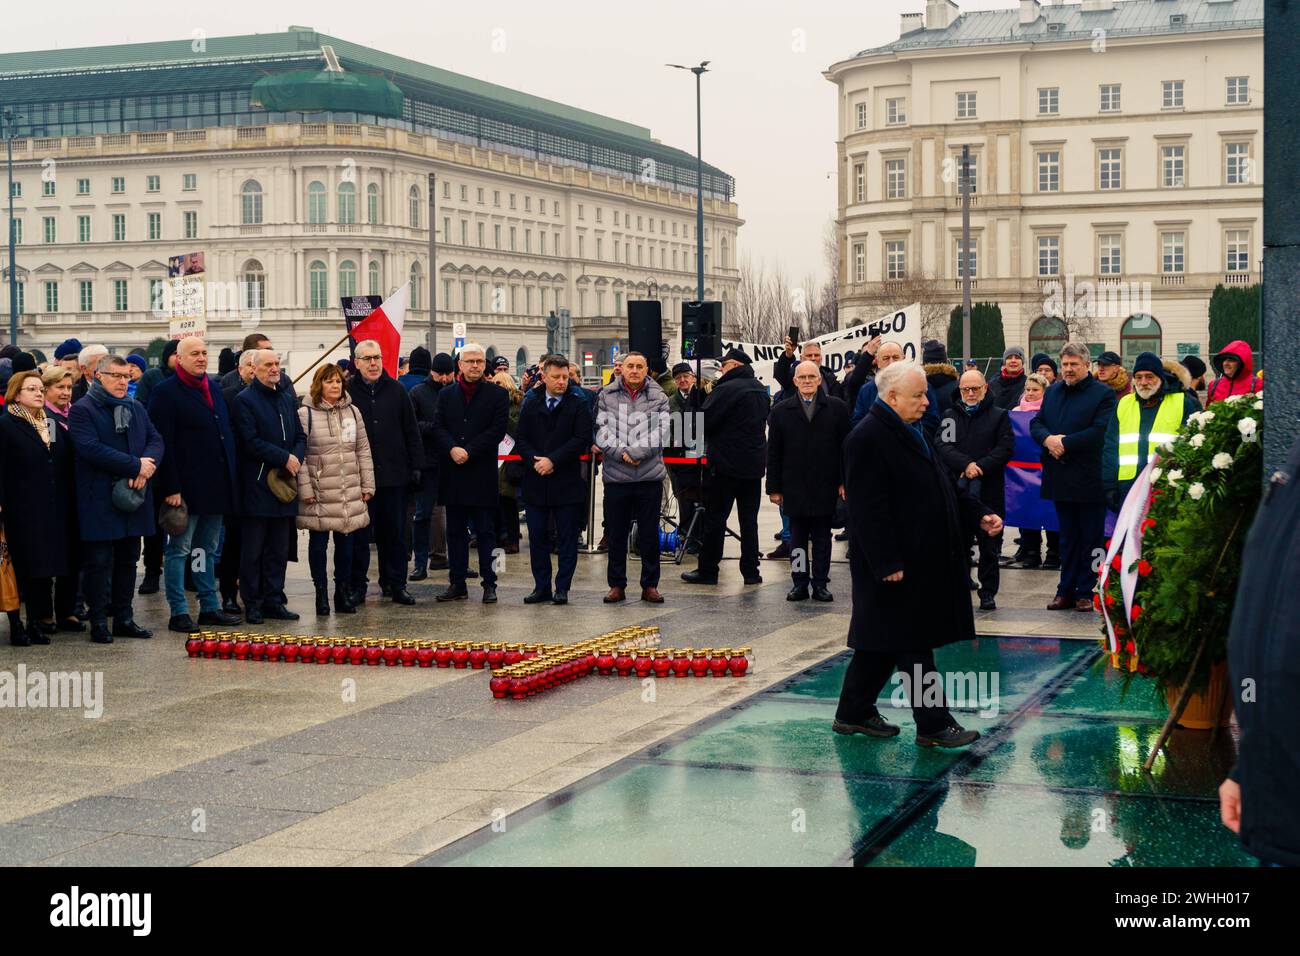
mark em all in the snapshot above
pixel 384 325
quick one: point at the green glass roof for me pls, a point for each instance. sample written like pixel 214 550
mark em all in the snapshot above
pixel 343 92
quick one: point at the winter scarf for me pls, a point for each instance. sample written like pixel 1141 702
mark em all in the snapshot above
pixel 37 421
pixel 121 406
pixel 199 382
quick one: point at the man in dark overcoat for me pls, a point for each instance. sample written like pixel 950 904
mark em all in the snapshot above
pixel 909 525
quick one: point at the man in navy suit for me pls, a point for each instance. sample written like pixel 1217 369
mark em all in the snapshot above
pixel 190 413
pixel 554 430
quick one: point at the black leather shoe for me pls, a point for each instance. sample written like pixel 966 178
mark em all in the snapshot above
pixel 953 735
pixel 439 564
pixel 698 577
pixel 99 634
pixel 278 612
pixel 418 573
pixel 819 593
pixel 322 602
pixel 386 590
pixel 343 602
pixel 875 726
pixel 752 579
pixel 539 596
pixel 402 596
pixel 218 618
pixel 357 597
pixel 149 585
pixel 129 628
pixel 35 635
pixel 72 625
pixel 231 606
pixel 252 616
pixel 182 624
pixel 470 573
pixel 561 597
pixel 797 593
pixel 452 594
pixel 988 604
pixel 48 627
pixel 489 594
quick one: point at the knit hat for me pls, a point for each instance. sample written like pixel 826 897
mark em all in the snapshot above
pixel 168 351
pixel 443 364
pixel 933 352
pixel 1015 350
pixel 139 362
pixel 24 362
pixel 682 368
pixel 1194 365
pixel 1149 362
pixel 737 355
pixel 68 348
pixel 9 351
pixel 227 361
pixel 420 360
pixel 1041 359
pixel 500 363
pixel 6 372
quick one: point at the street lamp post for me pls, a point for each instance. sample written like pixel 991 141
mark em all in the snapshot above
pixel 699 71
pixel 13 229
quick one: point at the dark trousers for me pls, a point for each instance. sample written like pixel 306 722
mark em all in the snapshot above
pixel 110 578
pixel 508 520
pixel 386 529
pixel 317 543
pixel 867 675
pixel 422 523
pixel 720 493
pixel 65 596
pixel 818 529
pixel 37 594
pixel 153 553
pixel 1031 542
pixel 228 566
pixel 458 521
pixel 567 519
pixel 625 502
pixel 263 556
pixel 988 570
pixel 1083 525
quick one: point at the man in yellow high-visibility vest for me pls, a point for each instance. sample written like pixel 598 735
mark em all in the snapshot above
pixel 1152 414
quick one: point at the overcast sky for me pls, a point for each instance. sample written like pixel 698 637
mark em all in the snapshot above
pixel 769 115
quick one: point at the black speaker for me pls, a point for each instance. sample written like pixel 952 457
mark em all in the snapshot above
pixel 701 330
pixel 645 331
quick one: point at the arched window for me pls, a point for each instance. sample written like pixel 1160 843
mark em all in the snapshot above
pixel 1047 334
pixel 252 286
pixel 521 359
pixel 491 355
pixel 347 203
pixel 726 255
pixel 373 283
pixel 372 204
pixel 415 207
pixel 415 285
pixel 1139 333
pixel 347 278
pixel 319 285
pixel 316 202
pixel 250 202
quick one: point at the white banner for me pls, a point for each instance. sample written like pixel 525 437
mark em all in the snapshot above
pixel 902 326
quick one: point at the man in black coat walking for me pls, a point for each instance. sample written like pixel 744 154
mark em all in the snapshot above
pixel 553 433
pixel 471 421
pixel 1260 796
pixel 429 524
pixel 909 530
pixel 975 442
pixel 1071 428
pixel 735 444
pixel 190 413
pixel 805 475
pixel 271 439
pixel 398 456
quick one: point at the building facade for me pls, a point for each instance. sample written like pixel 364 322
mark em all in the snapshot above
pixel 1115 154
pixel 127 155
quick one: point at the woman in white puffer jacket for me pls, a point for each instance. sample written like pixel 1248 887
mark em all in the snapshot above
pixel 334 483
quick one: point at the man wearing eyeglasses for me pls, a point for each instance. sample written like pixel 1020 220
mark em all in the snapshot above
pixel 975 441
pixel 398 457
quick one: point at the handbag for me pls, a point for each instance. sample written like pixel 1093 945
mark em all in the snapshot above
pixel 8 578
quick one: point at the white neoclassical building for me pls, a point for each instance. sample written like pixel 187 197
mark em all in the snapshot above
pixel 126 155
pixel 1115 148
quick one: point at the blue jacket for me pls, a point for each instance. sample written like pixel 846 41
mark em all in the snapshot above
pixel 269 431
pixel 867 395
pixel 103 456
pixel 412 379
pixel 201 458
pixel 1081 412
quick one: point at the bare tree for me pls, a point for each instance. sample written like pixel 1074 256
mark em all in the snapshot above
pixel 926 288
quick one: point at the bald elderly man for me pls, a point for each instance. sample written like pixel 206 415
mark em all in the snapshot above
pixel 197 471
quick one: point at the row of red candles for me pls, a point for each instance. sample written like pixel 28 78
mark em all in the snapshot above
pixel 527 679
pixel 288 648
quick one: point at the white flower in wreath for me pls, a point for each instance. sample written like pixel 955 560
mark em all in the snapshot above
pixel 1222 461
pixel 1206 416
pixel 1175 476
pixel 1259 405
pixel 1155 475
pixel 1233 399
pixel 1195 491
pixel 1197 440
pixel 1247 427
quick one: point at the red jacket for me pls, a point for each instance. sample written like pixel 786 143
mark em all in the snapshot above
pixel 1243 383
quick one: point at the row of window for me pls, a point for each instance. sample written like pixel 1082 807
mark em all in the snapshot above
pixel 1109 259
pixel 119 232
pixel 85 294
pixel 117 185
pixel 1238 169
pixel 966 105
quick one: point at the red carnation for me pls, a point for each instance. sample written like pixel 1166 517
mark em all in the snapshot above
pixel 1115 563
pixel 1120 632
pixel 1129 648
pixel 1144 567
pixel 1110 600
pixel 1096 602
pixel 1148 523
pixel 1157 493
pixel 1137 612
